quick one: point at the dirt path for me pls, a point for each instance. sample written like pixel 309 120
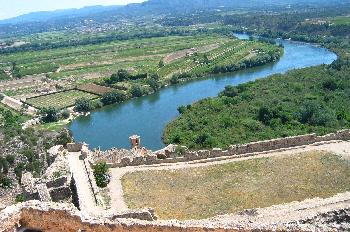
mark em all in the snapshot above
pixel 116 191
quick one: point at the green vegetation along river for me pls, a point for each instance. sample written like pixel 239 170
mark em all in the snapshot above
pixel 147 116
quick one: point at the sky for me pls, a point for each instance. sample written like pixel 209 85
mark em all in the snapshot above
pixel 12 8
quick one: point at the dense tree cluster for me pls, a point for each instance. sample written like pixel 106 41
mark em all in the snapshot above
pixel 299 102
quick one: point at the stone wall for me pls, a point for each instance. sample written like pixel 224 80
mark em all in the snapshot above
pixel 75 147
pixel 330 214
pixel 169 155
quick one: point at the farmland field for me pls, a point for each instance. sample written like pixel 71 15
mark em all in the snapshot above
pixel 138 55
pixel 59 100
pixel 341 20
pixel 197 193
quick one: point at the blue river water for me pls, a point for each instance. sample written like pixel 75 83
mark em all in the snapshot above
pixel 147 116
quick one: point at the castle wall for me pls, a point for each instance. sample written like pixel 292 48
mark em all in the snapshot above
pixel 234 150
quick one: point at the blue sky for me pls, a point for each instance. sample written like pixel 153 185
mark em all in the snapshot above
pixel 12 8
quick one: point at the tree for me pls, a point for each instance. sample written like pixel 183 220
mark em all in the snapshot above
pixel 265 115
pixel 49 114
pixel 120 76
pixel 330 85
pixel 161 64
pixel 82 105
pixel 155 76
pixel 112 97
pixel 174 79
pixel 64 137
pixel 65 114
pixel 136 91
pixel 101 175
pixel 153 84
pixel 230 91
pixel 123 74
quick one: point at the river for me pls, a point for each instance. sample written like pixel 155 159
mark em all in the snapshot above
pixel 147 116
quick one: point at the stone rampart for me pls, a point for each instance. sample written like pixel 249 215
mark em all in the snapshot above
pixel 309 215
pixel 234 150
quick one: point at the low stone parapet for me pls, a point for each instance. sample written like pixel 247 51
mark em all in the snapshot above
pixel 170 155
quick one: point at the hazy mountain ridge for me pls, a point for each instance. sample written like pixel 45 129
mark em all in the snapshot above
pixel 158 7
pixel 57 14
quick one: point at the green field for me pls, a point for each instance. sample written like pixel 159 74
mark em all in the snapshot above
pixel 59 100
pixel 138 55
pixel 341 20
pixel 199 193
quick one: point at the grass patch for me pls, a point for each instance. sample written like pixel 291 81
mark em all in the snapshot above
pixel 205 192
pixel 60 100
pixel 53 126
pixel 341 20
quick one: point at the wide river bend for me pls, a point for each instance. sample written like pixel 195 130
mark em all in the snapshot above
pixel 147 116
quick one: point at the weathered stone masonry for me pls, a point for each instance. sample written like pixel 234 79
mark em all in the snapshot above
pixel 163 156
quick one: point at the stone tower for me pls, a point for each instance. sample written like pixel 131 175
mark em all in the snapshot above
pixel 135 141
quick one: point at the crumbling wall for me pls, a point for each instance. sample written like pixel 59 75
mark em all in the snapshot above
pixel 330 214
pixel 75 147
pixel 163 156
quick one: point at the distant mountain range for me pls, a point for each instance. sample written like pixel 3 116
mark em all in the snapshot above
pixel 57 14
pixel 158 7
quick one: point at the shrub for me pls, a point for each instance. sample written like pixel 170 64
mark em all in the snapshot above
pixel 174 79
pixel 64 137
pixel 112 97
pixel 314 114
pixel 161 64
pixel 330 85
pixel 230 91
pixel 136 91
pixel 10 159
pixel 20 198
pixel 65 114
pixel 153 84
pixel 101 175
pixel 5 182
pixel 265 115
pixel 49 114
pixel 82 105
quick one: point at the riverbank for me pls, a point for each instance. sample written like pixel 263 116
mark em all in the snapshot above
pixel 148 115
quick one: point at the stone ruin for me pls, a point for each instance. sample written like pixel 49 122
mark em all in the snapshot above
pixel 317 214
pixel 54 185
pixel 175 154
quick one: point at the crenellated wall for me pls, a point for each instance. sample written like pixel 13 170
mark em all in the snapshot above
pixel 170 156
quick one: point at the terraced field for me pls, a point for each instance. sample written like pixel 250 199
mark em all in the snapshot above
pixel 172 58
pixel 138 55
pixel 60 100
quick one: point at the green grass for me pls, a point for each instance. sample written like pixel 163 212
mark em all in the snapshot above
pixel 53 126
pixel 59 100
pixel 199 193
pixel 341 20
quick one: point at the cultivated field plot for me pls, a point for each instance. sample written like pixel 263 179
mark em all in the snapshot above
pixel 95 89
pixel 141 54
pixel 60 100
pixel 198 193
